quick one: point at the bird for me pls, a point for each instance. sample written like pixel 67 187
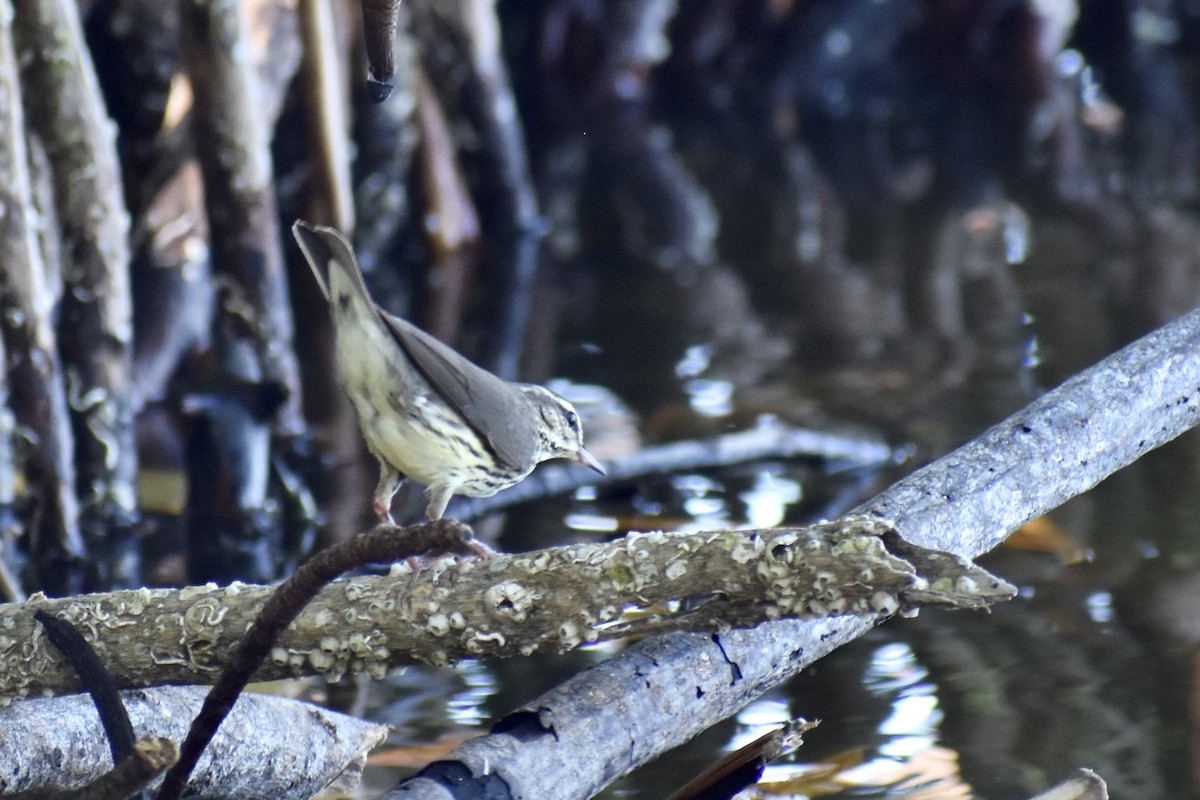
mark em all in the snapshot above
pixel 427 413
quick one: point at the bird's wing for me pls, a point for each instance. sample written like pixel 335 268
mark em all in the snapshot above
pixel 496 410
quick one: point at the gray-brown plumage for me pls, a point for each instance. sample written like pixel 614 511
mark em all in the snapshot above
pixel 427 412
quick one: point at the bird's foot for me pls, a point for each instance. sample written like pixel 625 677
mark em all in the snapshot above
pixel 383 512
pixel 438 539
pixel 457 542
pixel 454 538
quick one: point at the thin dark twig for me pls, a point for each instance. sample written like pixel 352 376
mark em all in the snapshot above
pixel 383 544
pixel 379 36
pixel 96 681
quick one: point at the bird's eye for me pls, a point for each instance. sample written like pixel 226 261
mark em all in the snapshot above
pixel 573 420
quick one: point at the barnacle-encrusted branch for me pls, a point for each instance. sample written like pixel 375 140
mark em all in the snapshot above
pixel 552 599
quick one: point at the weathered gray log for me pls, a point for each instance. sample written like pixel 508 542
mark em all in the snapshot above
pixel 662 691
pixel 268 747
pixel 150 757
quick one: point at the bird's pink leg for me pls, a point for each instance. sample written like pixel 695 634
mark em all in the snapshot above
pixel 385 490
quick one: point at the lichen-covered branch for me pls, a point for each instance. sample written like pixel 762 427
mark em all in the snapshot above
pixel 95 330
pixel 553 599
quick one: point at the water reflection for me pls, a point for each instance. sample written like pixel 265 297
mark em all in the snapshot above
pixel 905 757
pixel 767 501
pixel 468 707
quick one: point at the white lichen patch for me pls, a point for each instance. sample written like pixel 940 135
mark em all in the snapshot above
pixel 966 585
pixel 569 635
pixel 479 643
pixel 400 569
pixel 592 572
pixel 133 604
pixel 675 570
pixel 884 604
pixel 321 662
pixel 188 592
pixel 511 600
pixel 856 545
pixel 381 605
pixel 746 548
pixel 438 625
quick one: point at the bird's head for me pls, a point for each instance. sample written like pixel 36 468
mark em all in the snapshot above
pixel 560 433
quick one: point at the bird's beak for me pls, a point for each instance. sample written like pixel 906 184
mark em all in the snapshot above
pixel 582 456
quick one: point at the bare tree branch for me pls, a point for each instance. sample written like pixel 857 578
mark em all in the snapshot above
pixel 554 599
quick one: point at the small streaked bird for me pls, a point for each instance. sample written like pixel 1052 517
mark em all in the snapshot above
pixel 427 412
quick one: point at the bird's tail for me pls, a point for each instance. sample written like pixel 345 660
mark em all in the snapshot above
pixel 332 261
